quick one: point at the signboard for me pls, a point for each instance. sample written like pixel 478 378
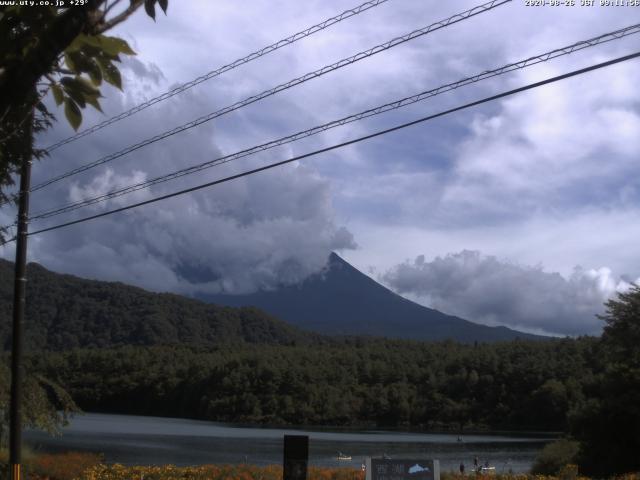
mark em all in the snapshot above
pixel 296 457
pixel 402 469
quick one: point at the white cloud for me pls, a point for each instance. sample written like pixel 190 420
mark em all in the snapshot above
pixel 484 289
pixel 565 146
pixel 108 181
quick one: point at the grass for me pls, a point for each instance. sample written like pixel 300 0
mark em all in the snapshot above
pixel 87 466
pixel 212 472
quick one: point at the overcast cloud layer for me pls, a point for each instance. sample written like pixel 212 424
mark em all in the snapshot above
pixel 548 177
pixel 487 290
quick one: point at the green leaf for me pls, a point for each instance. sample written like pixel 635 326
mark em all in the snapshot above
pixel 77 96
pixel 73 113
pixel 58 94
pixel 95 74
pixel 93 101
pixel 150 8
pixel 79 62
pixel 103 62
pixel 85 86
pixel 111 75
pixel 91 51
pixel 71 63
pixel 76 88
pixel 83 40
pixel 114 45
pixel 67 82
pixel 79 84
pixel 163 5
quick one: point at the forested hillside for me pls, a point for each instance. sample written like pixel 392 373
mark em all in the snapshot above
pixel 66 312
pixel 525 385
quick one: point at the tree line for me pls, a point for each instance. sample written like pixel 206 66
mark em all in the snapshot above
pixel 390 383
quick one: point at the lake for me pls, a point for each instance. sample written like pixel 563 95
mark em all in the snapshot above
pixel 136 440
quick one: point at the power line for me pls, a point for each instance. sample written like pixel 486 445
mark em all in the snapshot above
pixel 344 144
pixel 267 93
pixel 219 71
pixel 620 33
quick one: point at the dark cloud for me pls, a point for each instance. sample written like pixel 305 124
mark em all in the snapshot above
pixel 485 289
pixel 257 232
pixel 235 239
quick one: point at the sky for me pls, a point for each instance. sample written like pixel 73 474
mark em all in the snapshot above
pixel 521 212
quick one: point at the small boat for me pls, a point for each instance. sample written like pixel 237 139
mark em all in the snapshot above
pixel 488 470
pixel 342 456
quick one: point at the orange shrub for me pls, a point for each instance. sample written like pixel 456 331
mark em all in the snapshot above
pixel 211 472
pixel 64 466
pixel 76 466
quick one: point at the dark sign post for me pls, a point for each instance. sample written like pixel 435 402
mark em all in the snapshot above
pixel 402 469
pixel 296 457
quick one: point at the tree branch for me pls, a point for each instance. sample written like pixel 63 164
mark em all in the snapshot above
pixel 108 8
pixel 64 71
pixel 121 17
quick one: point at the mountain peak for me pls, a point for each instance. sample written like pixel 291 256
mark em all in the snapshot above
pixel 341 300
pixel 336 261
pixel 334 257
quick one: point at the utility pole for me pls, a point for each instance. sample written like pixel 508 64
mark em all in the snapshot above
pixel 19 294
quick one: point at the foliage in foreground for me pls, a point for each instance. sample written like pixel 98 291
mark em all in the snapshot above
pixel 65 466
pixel 607 425
pixel 213 472
pixel 81 466
pixel 88 466
pixel 555 456
pixel 46 405
pixel 274 472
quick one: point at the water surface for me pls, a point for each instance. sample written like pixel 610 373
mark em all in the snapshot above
pixel 135 440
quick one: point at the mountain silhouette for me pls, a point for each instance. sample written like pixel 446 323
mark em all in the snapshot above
pixel 341 300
